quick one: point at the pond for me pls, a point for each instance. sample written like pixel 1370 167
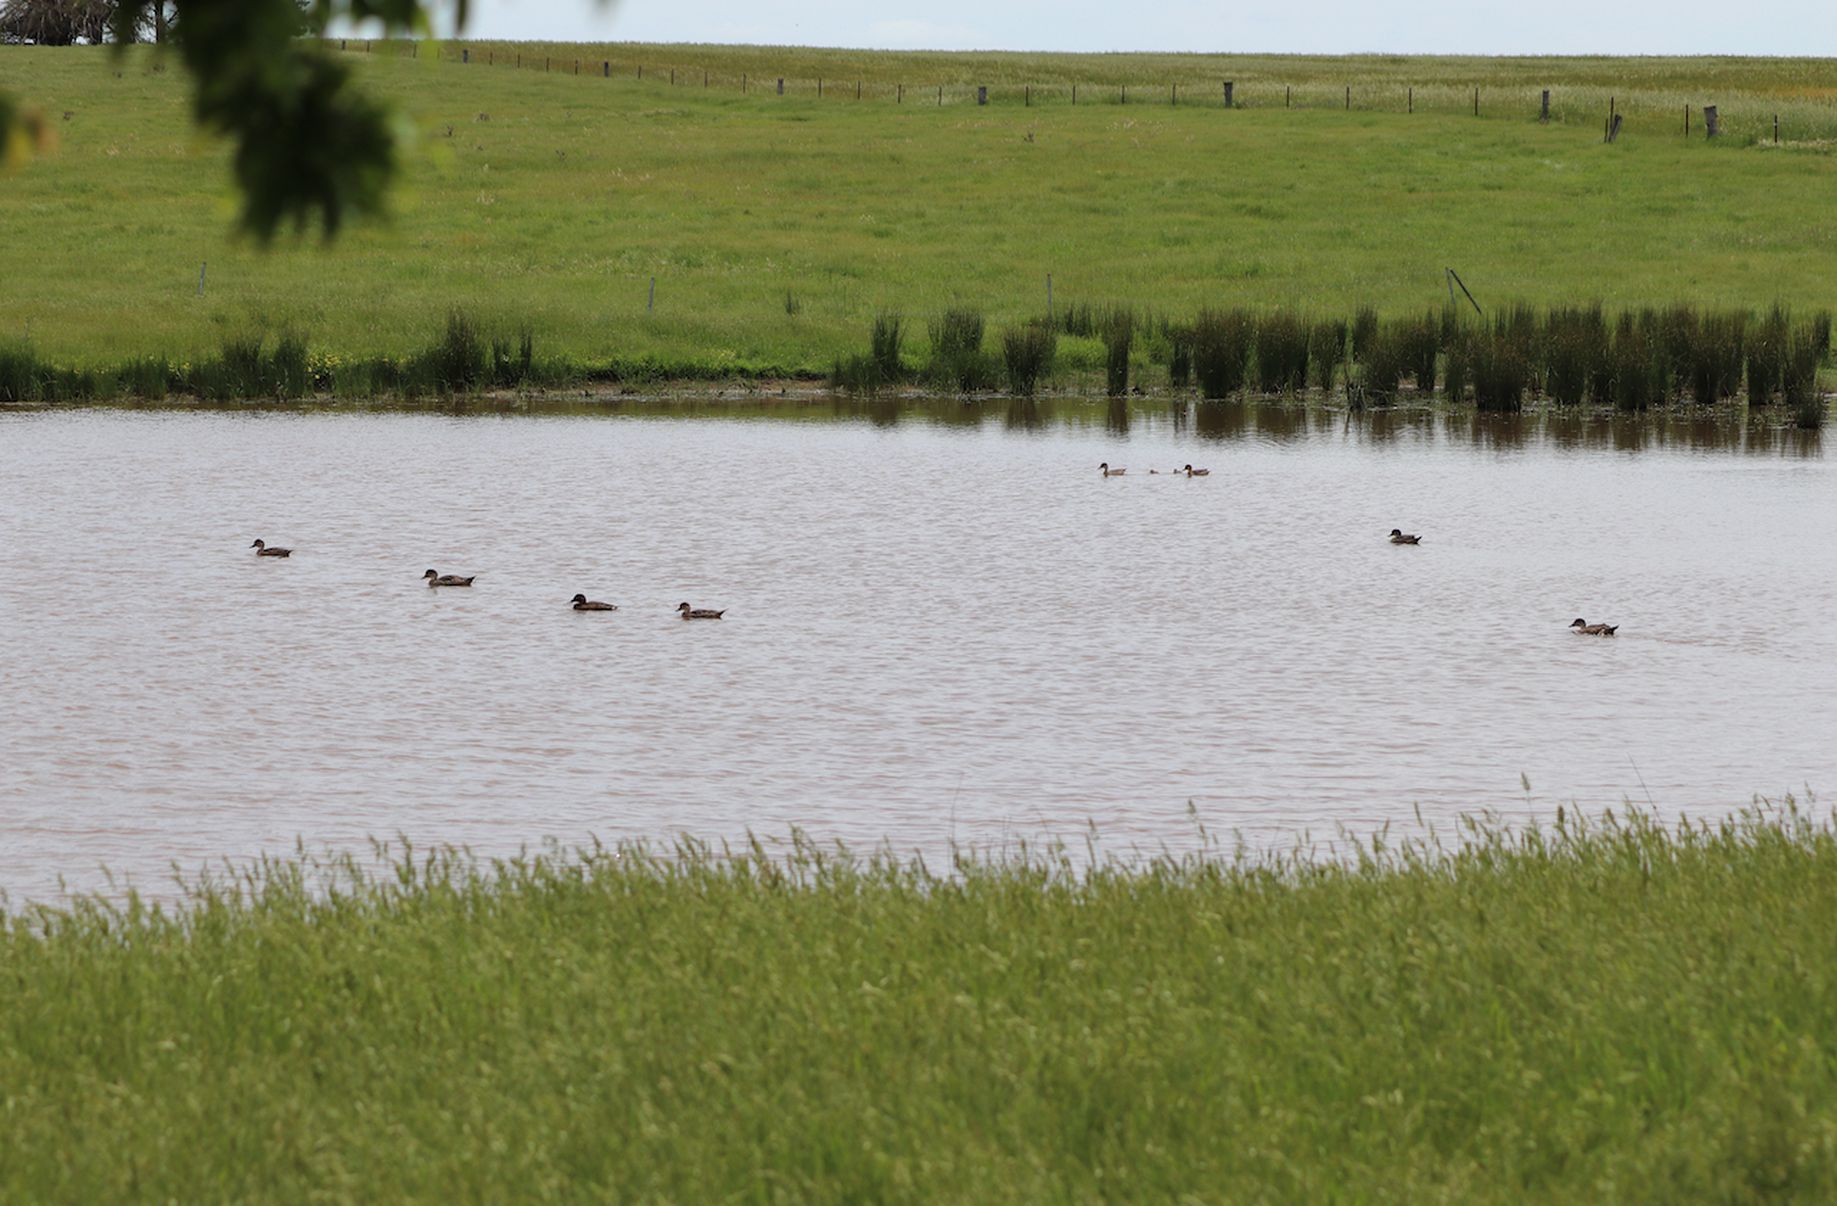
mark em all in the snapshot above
pixel 942 625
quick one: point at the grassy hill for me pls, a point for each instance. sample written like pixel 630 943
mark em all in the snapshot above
pixel 776 227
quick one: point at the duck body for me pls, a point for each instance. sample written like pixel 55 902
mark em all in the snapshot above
pixel 583 603
pixel 1401 537
pixel 699 613
pixel 1192 472
pixel 434 579
pixel 1586 629
pixel 1109 472
pixel 262 550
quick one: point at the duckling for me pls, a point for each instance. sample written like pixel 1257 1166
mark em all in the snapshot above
pixel 1400 537
pixel 1109 472
pixel 262 550
pixel 699 613
pixel 434 579
pixel 582 603
pixel 1192 472
pixel 1586 629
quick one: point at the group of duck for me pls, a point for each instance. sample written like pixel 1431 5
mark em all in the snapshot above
pixel 1397 536
pixel 579 602
pixel 1183 471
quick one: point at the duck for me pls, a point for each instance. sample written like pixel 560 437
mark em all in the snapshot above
pixel 262 550
pixel 699 613
pixel 434 579
pixel 1586 629
pixel 1401 537
pixel 1192 472
pixel 582 603
pixel 1109 472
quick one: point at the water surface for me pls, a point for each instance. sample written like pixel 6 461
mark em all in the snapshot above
pixel 943 625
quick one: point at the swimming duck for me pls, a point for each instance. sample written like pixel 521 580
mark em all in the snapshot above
pixel 582 603
pixel 262 550
pixel 434 579
pixel 1400 537
pixel 1109 472
pixel 1586 629
pixel 1192 472
pixel 699 613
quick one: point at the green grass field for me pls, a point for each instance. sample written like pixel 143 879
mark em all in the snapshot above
pixel 550 201
pixel 1591 1013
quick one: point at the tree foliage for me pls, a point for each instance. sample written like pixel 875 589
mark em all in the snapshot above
pixel 55 22
pixel 310 148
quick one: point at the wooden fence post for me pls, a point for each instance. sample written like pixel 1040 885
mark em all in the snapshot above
pixel 982 94
pixel 1710 123
pixel 1476 102
pixel 1230 87
pixel 1776 129
pixel 465 54
pixel 1412 107
pixel 899 98
pixel 606 70
pixel 1348 98
pixel 1543 114
pixel 781 85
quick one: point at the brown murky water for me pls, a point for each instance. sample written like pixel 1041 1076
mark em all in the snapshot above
pixel 943 623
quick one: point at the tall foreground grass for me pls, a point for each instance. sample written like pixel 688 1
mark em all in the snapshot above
pixel 1610 1011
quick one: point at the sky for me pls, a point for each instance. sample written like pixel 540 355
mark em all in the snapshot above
pixel 1784 27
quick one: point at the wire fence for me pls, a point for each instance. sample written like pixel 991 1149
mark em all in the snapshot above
pixel 1745 120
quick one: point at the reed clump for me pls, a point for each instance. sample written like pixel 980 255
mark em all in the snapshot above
pixel 1382 363
pixel 1222 343
pixel 1419 344
pixel 1638 364
pixel 1766 356
pixel 1282 353
pixel 1180 341
pixel 1118 339
pixel 1500 362
pixel 957 358
pixel 1575 348
pixel 1027 354
pixel 23 375
pixel 1326 352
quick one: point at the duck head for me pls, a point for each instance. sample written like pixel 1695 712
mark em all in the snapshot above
pixel 683 607
pixel 258 545
pixel 1396 531
pixel 1579 623
pixel 578 599
pixel 430 574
